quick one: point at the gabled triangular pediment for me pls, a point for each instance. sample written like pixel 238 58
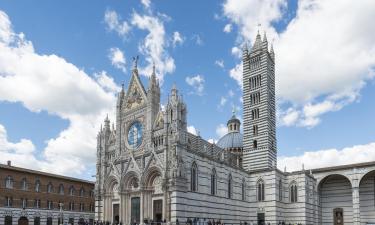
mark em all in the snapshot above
pixel 159 121
pixel 136 93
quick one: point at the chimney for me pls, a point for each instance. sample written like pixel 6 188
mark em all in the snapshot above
pixel 9 163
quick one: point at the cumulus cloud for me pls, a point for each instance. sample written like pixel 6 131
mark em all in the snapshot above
pixel 236 74
pixel 177 39
pixel 328 157
pixel 227 28
pixel 220 63
pixel 106 82
pixel 221 130
pixel 50 83
pixel 192 130
pixel 114 23
pixel 117 59
pixel 198 39
pixel 146 3
pixel 197 83
pixel 154 44
pixel 324 57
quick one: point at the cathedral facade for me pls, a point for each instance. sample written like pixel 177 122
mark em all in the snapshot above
pixel 150 168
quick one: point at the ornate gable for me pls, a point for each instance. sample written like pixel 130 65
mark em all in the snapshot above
pixel 159 121
pixel 136 94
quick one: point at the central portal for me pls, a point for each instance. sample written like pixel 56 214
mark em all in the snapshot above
pixel 135 210
pixel 158 210
pixel 116 217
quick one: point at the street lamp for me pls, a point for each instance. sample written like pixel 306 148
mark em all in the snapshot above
pixel 61 205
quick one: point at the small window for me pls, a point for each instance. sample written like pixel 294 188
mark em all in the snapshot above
pixel 260 191
pixel 24 184
pixel 61 189
pixel 293 193
pixel 9 182
pixel 230 186
pixel 243 190
pixel 255 144
pixel 49 187
pixel 8 201
pixel 71 191
pixel 280 190
pixel 194 177
pixel 82 192
pixel 213 182
pixel 37 186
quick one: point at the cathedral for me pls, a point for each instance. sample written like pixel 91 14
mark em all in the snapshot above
pixel 150 168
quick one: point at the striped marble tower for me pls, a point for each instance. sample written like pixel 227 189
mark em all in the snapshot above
pixel 259 106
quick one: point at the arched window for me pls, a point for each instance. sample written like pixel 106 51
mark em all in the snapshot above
pixel 37 186
pixel 24 184
pixel 8 220
pixel 260 191
pixel 71 191
pixel 243 190
pixel 230 186
pixel 255 144
pixel 49 187
pixel 61 189
pixel 280 190
pixel 293 192
pixel 213 182
pixel 194 177
pixel 9 182
pixel 82 192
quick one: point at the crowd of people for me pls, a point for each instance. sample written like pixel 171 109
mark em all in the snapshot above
pixel 192 221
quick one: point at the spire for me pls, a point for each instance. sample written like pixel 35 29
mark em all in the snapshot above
pixel 258 43
pixel 272 53
pixel 264 37
pixel 106 123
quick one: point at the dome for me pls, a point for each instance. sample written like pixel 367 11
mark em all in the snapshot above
pixel 233 120
pixel 231 140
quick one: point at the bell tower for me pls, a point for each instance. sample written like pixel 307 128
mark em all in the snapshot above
pixel 259 106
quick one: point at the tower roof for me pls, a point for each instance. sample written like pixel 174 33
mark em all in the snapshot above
pixel 258 43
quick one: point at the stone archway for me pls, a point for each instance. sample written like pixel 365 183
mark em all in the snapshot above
pixel 335 200
pixel 367 197
pixel 154 199
pixel 23 220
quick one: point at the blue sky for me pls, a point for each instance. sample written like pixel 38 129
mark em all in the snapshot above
pixel 54 97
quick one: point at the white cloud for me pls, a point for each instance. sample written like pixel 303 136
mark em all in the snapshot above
pixel 236 51
pixel 328 157
pixel 114 23
pixel 146 3
pixel 117 58
pixel 221 130
pixel 230 93
pixel 324 57
pixel 236 73
pixel 223 100
pixel 227 28
pixel 192 130
pixel 212 140
pixel 154 44
pixel 106 82
pixel 220 63
pixel 197 82
pixel 177 39
pixel 50 83
pixel 198 40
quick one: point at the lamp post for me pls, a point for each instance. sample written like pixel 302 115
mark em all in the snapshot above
pixel 61 205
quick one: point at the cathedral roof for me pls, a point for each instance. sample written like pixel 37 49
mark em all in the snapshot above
pixel 231 140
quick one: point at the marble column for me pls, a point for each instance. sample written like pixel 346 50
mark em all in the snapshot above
pixel 356 203
pixel 141 209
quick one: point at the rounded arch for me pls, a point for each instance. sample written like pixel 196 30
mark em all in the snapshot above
pixel 328 188
pixel 150 175
pixel 366 175
pixel 109 183
pixel 328 176
pixel 260 189
pixel 130 180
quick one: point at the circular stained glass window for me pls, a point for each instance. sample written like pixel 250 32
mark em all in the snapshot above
pixel 135 135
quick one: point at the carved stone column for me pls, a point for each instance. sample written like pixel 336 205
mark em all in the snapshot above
pixel 356 203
